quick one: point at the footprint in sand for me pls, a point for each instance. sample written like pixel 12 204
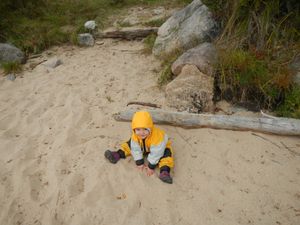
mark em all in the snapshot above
pixel 37 185
pixel 15 213
pixel 76 185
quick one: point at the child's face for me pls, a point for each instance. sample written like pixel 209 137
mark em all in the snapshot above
pixel 141 132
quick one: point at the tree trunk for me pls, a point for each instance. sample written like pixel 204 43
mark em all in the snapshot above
pixel 281 126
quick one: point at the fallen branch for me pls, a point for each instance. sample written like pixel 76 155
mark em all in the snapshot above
pixel 34 56
pixel 129 33
pixel 281 126
pixel 144 104
pixel 33 65
pixel 267 115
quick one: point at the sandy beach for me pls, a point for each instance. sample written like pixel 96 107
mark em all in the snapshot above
pixel 55 125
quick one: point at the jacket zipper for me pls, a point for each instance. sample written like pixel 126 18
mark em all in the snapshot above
pixel 144 146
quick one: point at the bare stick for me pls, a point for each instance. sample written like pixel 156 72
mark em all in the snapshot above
pixel 266 139
pixel 290 150
pixel 144 104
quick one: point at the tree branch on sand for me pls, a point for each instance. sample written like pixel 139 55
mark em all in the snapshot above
pixel 280 126
pixel 129 33
pixel 144 104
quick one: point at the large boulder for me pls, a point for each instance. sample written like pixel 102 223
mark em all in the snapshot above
pixel 185 29
pixel 9 53
pixel 191 91
pixel 204 56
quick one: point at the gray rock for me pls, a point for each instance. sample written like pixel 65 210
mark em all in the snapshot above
pixel 159 10
pixel 86 39
pixel 53 62
pixel 11 77
pixel 131 20
pixel 185 29
pixel 203 56
pixel 191 91
pixel 91 25
pixel 9 53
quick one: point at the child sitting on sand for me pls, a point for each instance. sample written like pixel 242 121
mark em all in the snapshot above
pixel 148 140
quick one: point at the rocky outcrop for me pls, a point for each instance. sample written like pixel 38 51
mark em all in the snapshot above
pixel 9 53
pixel 203 56
pixel 185 29
pixel 191 91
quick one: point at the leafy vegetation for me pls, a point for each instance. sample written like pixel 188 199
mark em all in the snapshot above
pixel 166 74
pixel 259 39
pixel 156 22
pixel 291 105
pixel 34 25
pixel 149 43
pixel 11 67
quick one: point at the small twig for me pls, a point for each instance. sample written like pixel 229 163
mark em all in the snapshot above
pixel 32 66
pixel 34 56
pixel 267 140
pixel 58 196
pixel 290 150
pixel 183 138
pixel 268 116
pixel 217 109
pixel 144 104
pixel 126 50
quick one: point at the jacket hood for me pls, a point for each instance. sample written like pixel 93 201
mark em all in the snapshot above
pixel 142 119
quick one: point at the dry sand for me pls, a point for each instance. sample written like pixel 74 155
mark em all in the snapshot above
pixel 56 124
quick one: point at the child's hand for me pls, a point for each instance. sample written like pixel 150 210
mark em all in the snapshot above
pixel 149 171
pixel 140 167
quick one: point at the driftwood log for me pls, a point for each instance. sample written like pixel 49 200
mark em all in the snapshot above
pixel 280 126
pixel 129 33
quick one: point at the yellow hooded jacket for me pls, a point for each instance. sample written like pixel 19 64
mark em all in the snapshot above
pixel 155 143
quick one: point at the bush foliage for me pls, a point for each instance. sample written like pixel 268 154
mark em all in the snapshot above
pixel 259 39
pixel 35 25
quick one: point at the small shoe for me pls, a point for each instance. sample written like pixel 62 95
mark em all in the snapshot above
pixel 113 157
pixel 165 177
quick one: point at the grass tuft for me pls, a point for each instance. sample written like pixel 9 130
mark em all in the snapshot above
pixel 166 74
pixel 149 43
pixel 11 67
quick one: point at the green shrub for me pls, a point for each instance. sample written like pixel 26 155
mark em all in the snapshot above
pixel 34 25
pixel 149 43
pixel 252 77
pixel 166 74
pixel 156 22
pixel 258 40
pixel 291 105
pixel 11 67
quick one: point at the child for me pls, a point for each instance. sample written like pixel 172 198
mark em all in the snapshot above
pixel 148 140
